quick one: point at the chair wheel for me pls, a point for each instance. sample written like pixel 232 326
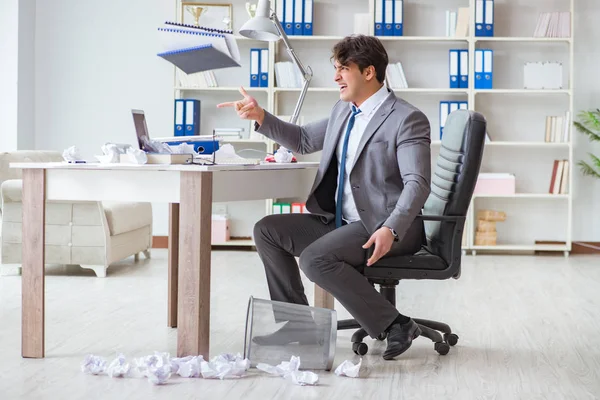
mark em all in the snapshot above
pixel 442 348
pixel 451 338
pixel 360 348
pixel 382 336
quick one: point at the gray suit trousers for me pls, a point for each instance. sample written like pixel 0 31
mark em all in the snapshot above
pixel 331 258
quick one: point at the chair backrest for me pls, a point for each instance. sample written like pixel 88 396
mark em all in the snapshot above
pixel 453 180
pixel 7 157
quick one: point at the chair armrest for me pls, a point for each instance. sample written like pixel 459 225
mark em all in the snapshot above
pixel 442 218
pixel 12 191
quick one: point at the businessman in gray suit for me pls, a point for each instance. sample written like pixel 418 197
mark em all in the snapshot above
pixel 373 179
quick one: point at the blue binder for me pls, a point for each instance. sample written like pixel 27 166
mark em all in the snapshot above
pixel 488 15
pixel 179 117
pixel 479 17
pixel 200 146
pixel 488 68
pixel 264 68
pixel 463 105
pixel 479 83
pixel 254 67
pixel 192 117
pixel 288 17
pixel 379 17
pixel 308 18
pixel 454 68
pixel 463 66
pixel 298 17
pixel 388 18
pixel 444 111
pixel 398 17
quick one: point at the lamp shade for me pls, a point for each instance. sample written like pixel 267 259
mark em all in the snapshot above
pixel 261 27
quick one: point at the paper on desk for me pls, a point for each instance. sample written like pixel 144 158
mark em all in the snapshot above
pixel 283 155
pixel 72 154
pixel 290 370
pixel 347 368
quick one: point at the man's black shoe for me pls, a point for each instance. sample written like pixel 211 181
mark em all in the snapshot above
pixel 399 338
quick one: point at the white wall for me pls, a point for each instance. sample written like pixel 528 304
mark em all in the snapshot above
pixel 9 10
pixel 94 63
pixel 26 75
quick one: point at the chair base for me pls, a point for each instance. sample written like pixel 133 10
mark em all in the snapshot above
pixel 429 329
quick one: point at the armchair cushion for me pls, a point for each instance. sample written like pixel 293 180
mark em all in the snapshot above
pixel 11 190
pixel 126 217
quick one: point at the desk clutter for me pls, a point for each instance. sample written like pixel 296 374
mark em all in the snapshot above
pixel 486 233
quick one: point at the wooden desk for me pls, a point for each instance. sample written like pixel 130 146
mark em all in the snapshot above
pixel 190 190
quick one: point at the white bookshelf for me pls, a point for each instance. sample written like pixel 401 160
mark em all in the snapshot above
pixel 516 116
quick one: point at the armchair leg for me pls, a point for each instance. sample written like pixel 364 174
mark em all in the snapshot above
pixel 147 253
pixel 136 257
pixel 100 270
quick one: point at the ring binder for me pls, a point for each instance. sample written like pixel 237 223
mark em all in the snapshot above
pixel 199 58
pixel 195 50
pixel 223 31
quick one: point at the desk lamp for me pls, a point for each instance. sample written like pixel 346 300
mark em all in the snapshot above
pixel 265 26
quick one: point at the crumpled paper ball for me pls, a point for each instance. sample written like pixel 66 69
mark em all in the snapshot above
pixel 72 154
pixel 283 155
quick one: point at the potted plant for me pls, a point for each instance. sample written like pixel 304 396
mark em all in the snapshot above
pixel 589 124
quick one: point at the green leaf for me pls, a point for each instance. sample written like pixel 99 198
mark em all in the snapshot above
pixel 587 170
pixel 590 119
pixel 596 160
pixel 583 129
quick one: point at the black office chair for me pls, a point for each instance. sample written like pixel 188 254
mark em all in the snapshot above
pixel 452 184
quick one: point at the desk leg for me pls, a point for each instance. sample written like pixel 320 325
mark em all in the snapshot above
pixel 323 299
pixel 33 274
pixel 173 263
pixel 193 302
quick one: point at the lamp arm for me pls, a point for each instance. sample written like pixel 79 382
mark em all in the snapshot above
pixel 305 71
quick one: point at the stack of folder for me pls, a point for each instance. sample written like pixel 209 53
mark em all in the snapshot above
pixel 259 67
pixel 187 117
pixel 389 17
pixel 446 108
pixel 290 208
pixel 459 68
pixel 194 49
pixel 484 18
pixel 484 68
pixel 296 16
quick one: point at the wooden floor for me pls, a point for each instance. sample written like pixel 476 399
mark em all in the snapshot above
pixel 529 328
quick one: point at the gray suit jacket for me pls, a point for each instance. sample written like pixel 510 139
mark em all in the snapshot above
pixel 392 169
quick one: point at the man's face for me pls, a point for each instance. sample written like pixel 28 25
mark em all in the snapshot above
pixel 350 80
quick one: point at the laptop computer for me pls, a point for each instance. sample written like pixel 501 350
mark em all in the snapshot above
pixel 145 143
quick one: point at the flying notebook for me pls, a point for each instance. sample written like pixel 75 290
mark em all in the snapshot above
pixel 196 49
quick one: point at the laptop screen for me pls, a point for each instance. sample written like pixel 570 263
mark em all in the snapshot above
pixel 141 131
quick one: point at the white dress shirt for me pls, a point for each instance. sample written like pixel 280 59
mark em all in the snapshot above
pixel 368 109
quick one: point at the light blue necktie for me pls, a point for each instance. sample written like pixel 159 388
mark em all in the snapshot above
pixel 340 194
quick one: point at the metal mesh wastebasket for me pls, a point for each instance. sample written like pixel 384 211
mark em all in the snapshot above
pixel 276 331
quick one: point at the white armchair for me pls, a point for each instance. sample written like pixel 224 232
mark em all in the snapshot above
pixel 90 234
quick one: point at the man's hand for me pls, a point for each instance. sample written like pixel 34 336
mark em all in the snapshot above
pixel 383 240
pixel 247 108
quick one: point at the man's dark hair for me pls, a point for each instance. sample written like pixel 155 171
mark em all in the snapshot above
pixel 363 51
